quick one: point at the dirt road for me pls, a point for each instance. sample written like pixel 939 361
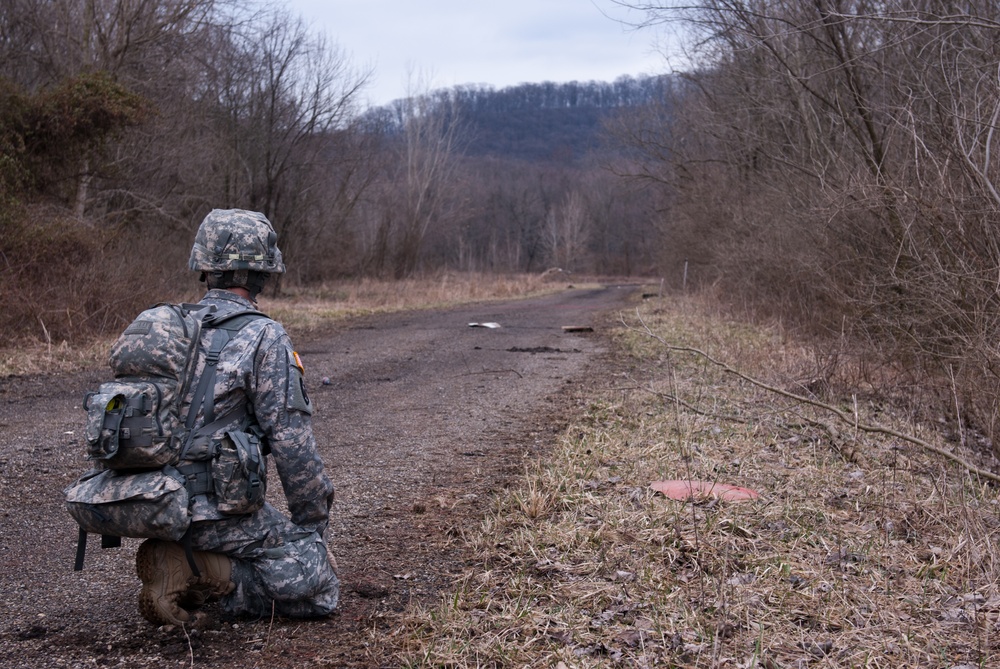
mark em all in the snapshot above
pixel 422 419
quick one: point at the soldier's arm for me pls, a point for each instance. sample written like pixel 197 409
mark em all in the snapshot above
pixel 284 413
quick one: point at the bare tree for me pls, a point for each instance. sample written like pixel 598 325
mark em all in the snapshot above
pixel 566 233
pixel 50 40
pixel 420 193
pixel 840 159
pixel 101 51
pixel 288 103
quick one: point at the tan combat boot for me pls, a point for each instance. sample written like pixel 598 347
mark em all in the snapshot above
pixel 168 581
pixel 215 580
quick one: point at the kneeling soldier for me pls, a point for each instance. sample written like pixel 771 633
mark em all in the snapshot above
pixel 258 562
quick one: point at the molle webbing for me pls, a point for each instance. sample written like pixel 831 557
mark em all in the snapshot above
pixel 197 477
pixel 204 396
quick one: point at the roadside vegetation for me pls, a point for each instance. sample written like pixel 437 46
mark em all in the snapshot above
pixel 861 550
pixel 302 311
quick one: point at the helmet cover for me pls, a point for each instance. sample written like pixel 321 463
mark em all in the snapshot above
pixel 236 239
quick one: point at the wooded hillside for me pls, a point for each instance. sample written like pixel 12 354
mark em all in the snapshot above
pixel 550 122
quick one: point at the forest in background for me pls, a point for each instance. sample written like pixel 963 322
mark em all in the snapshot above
pixel 828 164
pixel 123 122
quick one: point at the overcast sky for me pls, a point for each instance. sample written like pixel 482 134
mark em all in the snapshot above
pixel 444 43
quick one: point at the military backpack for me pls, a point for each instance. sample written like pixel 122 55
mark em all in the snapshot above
pixel 142 443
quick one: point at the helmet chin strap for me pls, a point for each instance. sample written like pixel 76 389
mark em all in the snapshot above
pixel 255 283
pixel 252 280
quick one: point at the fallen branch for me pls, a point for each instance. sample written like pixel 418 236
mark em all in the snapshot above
pixel 873 429
pixel 674 399
pixel 848 452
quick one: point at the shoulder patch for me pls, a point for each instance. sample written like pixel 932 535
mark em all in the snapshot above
pixel 298 398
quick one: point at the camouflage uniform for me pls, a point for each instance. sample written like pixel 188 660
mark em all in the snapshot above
pixel 275 561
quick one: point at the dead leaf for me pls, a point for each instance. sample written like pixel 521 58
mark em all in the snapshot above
pixel 821 649
pixel 564 637
pixel 631 638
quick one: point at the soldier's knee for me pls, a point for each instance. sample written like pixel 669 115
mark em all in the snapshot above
pixel 303 572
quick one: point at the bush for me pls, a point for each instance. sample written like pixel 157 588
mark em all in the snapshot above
pixel 65 281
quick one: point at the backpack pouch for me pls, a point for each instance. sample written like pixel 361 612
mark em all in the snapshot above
pixel 239 474
pixel 145 505
pixel 105 411
pixel 124 430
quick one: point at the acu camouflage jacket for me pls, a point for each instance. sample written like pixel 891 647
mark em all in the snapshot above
pixel 258 367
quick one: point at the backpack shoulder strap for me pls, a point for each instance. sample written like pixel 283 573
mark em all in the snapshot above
pixel 233 321
pixel 225 327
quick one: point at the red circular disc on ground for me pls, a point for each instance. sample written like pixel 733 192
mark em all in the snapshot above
pixel 685 490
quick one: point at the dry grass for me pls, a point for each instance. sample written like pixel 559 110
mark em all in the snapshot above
pixel 860 552
pixel 32 356
pixel 301 310
pixel 310 308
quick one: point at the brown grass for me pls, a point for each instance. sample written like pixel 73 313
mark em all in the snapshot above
pixel 860 552
pixel 300 309
pixel 310 308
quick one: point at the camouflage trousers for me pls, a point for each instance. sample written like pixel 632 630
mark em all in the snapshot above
pixel 278 566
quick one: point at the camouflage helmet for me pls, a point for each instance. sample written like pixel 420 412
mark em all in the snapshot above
pixel 236 239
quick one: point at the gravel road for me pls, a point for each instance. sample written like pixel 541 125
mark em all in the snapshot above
pixel 422 419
